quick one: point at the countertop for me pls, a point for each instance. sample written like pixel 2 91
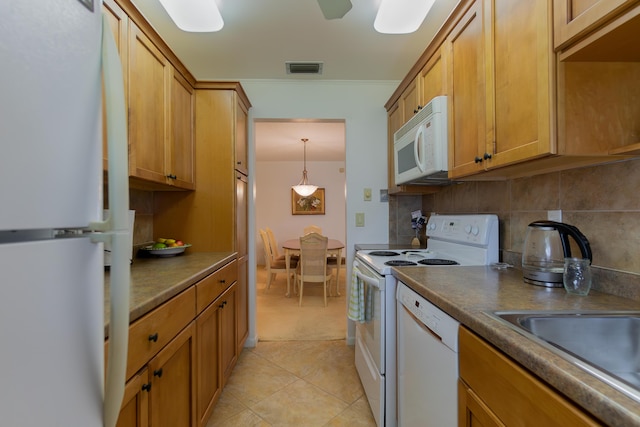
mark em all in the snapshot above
pixel 156 280
pixel 466 293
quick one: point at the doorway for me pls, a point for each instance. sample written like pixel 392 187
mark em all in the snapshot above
pixel 279 154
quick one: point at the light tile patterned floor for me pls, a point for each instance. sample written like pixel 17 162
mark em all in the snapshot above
pixel 294 383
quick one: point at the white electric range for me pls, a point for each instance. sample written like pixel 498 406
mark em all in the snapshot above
pixel 453 240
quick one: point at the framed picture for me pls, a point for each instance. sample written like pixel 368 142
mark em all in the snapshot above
pixel 310 205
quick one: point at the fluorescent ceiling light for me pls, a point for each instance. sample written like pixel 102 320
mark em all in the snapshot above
pixel 401 16
pixel 195 16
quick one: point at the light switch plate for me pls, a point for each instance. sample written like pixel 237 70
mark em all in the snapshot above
pixel 367 194
pixel 359 219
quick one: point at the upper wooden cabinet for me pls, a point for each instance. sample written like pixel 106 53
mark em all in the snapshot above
pixel 160 116
pixel 182 145
pixel 119 25
pixel 575 18
pixel 466 100
pixel 432 79
pixel 500 85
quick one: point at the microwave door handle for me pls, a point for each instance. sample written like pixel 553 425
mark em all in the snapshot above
pixel 417 150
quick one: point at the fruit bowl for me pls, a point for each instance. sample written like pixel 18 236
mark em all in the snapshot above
pixel 166 252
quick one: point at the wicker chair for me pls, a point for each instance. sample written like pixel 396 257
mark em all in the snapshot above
pixel 312 266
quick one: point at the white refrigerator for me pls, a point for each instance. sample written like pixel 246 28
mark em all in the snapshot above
pixel 54 56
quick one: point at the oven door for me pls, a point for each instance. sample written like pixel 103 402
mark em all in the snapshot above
pixel 370 342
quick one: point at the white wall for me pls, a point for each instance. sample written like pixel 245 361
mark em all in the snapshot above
pixel 361 105
pixel 273 200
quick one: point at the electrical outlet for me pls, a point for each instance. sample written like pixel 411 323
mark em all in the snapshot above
pixel 367 194
pixel 554 215
pixel 359 219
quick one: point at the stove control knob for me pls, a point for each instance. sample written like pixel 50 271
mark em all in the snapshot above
pixel 431 226
pixel 467 229
pixel 475 230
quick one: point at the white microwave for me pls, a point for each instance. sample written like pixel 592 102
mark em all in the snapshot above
pixel 420 146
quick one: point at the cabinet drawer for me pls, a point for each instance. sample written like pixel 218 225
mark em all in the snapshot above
pixel 515 396
pixel 153 331
pixel 210 288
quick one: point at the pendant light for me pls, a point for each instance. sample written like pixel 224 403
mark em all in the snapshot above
pixel 304 188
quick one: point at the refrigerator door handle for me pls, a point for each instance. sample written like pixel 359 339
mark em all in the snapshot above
pixel 116 226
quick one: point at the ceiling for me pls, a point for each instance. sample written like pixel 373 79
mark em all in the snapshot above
pixel 259 36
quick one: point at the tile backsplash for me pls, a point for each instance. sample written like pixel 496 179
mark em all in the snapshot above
pixel 602 201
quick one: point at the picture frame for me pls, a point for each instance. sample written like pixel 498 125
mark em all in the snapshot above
pixel 310 205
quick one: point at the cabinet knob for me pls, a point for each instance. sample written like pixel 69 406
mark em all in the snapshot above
pixel 157 373
pixel 478 159
pixel 172 176
pixel 153 337
pixel 487 156
pixel 222 281
pixel 146 387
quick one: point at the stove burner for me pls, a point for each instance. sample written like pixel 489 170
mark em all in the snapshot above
pixel 437 261
pixel 383 253
pixel 399 263
pixel 416 251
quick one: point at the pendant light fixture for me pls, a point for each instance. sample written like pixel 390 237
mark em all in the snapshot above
pixel 304 188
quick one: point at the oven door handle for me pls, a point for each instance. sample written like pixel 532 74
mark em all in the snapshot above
pixel 371 281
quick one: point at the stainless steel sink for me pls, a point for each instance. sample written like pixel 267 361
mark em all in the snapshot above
pixel 604 343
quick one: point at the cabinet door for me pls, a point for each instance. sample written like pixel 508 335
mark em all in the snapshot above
pixel 241 138
pixel 472 412
pixel 410 101
pixel 575 18
pixel 181 171
pixel 519 84
pixel 243 258
pixel 432 77
pixel 173 382
pixel 135 403
pixel 466 91
pixel 228 332
pixel 118 23
pixel 209 374
pixel 394 122
pixel 149 89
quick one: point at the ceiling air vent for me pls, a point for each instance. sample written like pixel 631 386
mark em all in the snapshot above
pixel 304 67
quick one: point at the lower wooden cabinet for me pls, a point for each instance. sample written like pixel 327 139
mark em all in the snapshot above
pixel 135 403
pixel 217 350
pixel 162 393
pixel 182 353
pixel 493 390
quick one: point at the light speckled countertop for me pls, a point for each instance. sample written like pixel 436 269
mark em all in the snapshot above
pixel 156 280
pixel 466 293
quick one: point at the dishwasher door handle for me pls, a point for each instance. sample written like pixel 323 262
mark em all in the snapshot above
pixel 422 326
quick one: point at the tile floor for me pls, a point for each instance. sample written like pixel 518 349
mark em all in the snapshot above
pixel 294 383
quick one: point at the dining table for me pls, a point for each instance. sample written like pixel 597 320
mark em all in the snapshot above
pixel 292 247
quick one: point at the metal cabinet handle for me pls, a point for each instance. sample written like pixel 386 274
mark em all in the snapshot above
pixel 478 159
pixel 487 156
pixel 146 387
pixel 153 337
pixel 157 373
pixel 172 176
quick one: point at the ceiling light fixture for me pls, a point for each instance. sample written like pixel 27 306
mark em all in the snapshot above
pixel 401 16
pixel 194 16
pixel 304 188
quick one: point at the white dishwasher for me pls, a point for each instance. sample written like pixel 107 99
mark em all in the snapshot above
pixel 427 362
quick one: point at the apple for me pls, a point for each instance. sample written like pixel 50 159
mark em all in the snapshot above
pixel 179 243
